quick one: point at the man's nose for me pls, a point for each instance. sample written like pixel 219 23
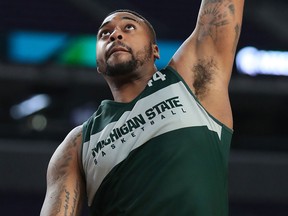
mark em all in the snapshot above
pixel 116 35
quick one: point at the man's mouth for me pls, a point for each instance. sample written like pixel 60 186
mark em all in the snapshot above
pixel 116 49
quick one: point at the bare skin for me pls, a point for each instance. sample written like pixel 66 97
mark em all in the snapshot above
pixel 65 185
pixel 204 60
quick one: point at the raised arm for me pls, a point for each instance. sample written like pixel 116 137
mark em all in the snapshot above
pixel 206 58
pixel 65 185
pixel 218 30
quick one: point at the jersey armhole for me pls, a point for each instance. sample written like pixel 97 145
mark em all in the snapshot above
pixel 81 162
pixel 171 69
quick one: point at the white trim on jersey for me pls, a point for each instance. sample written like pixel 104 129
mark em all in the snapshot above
pixel 168 109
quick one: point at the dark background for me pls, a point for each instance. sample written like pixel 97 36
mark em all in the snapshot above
pixel 259 152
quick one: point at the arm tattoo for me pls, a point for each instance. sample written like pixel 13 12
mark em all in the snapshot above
pixel 62 173
pixel 62 170
pixel 232 9
pixel 66 205
pixel 69 207
pixel 75 198
pixel 215 14
pixel 73 206
pixel 237 35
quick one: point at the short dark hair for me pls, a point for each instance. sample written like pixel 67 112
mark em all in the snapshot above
pixel 150 27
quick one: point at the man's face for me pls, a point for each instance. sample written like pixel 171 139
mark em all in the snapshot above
pixel 123 44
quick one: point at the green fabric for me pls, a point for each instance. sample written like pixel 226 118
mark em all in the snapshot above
pixel 180 172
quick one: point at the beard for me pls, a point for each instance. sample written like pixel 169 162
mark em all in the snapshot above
pixel 122 68
pixel 129 66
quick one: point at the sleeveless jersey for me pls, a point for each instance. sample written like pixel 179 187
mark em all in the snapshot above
pixel 161 154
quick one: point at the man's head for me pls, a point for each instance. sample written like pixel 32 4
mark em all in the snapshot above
pixel 150 27
pixel 125 42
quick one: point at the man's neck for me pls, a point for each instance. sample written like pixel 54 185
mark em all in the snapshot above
pixel 125 89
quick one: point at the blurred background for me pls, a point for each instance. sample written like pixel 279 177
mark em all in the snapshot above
pixel 48 85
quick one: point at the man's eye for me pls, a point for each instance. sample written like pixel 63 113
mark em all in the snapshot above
pixel 129 27
pixel 104 34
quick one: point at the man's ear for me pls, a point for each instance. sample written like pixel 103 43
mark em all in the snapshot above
pixel 98 70
pixel 156 52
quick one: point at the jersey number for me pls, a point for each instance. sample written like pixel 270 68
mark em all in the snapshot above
pixel 157 76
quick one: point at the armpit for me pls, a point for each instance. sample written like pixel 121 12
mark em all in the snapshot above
pixel 203 72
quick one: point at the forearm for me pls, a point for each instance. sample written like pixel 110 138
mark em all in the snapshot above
pixel 63 200
pixel 219 21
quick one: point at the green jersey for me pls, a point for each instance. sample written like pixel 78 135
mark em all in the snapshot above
pixel 161 154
